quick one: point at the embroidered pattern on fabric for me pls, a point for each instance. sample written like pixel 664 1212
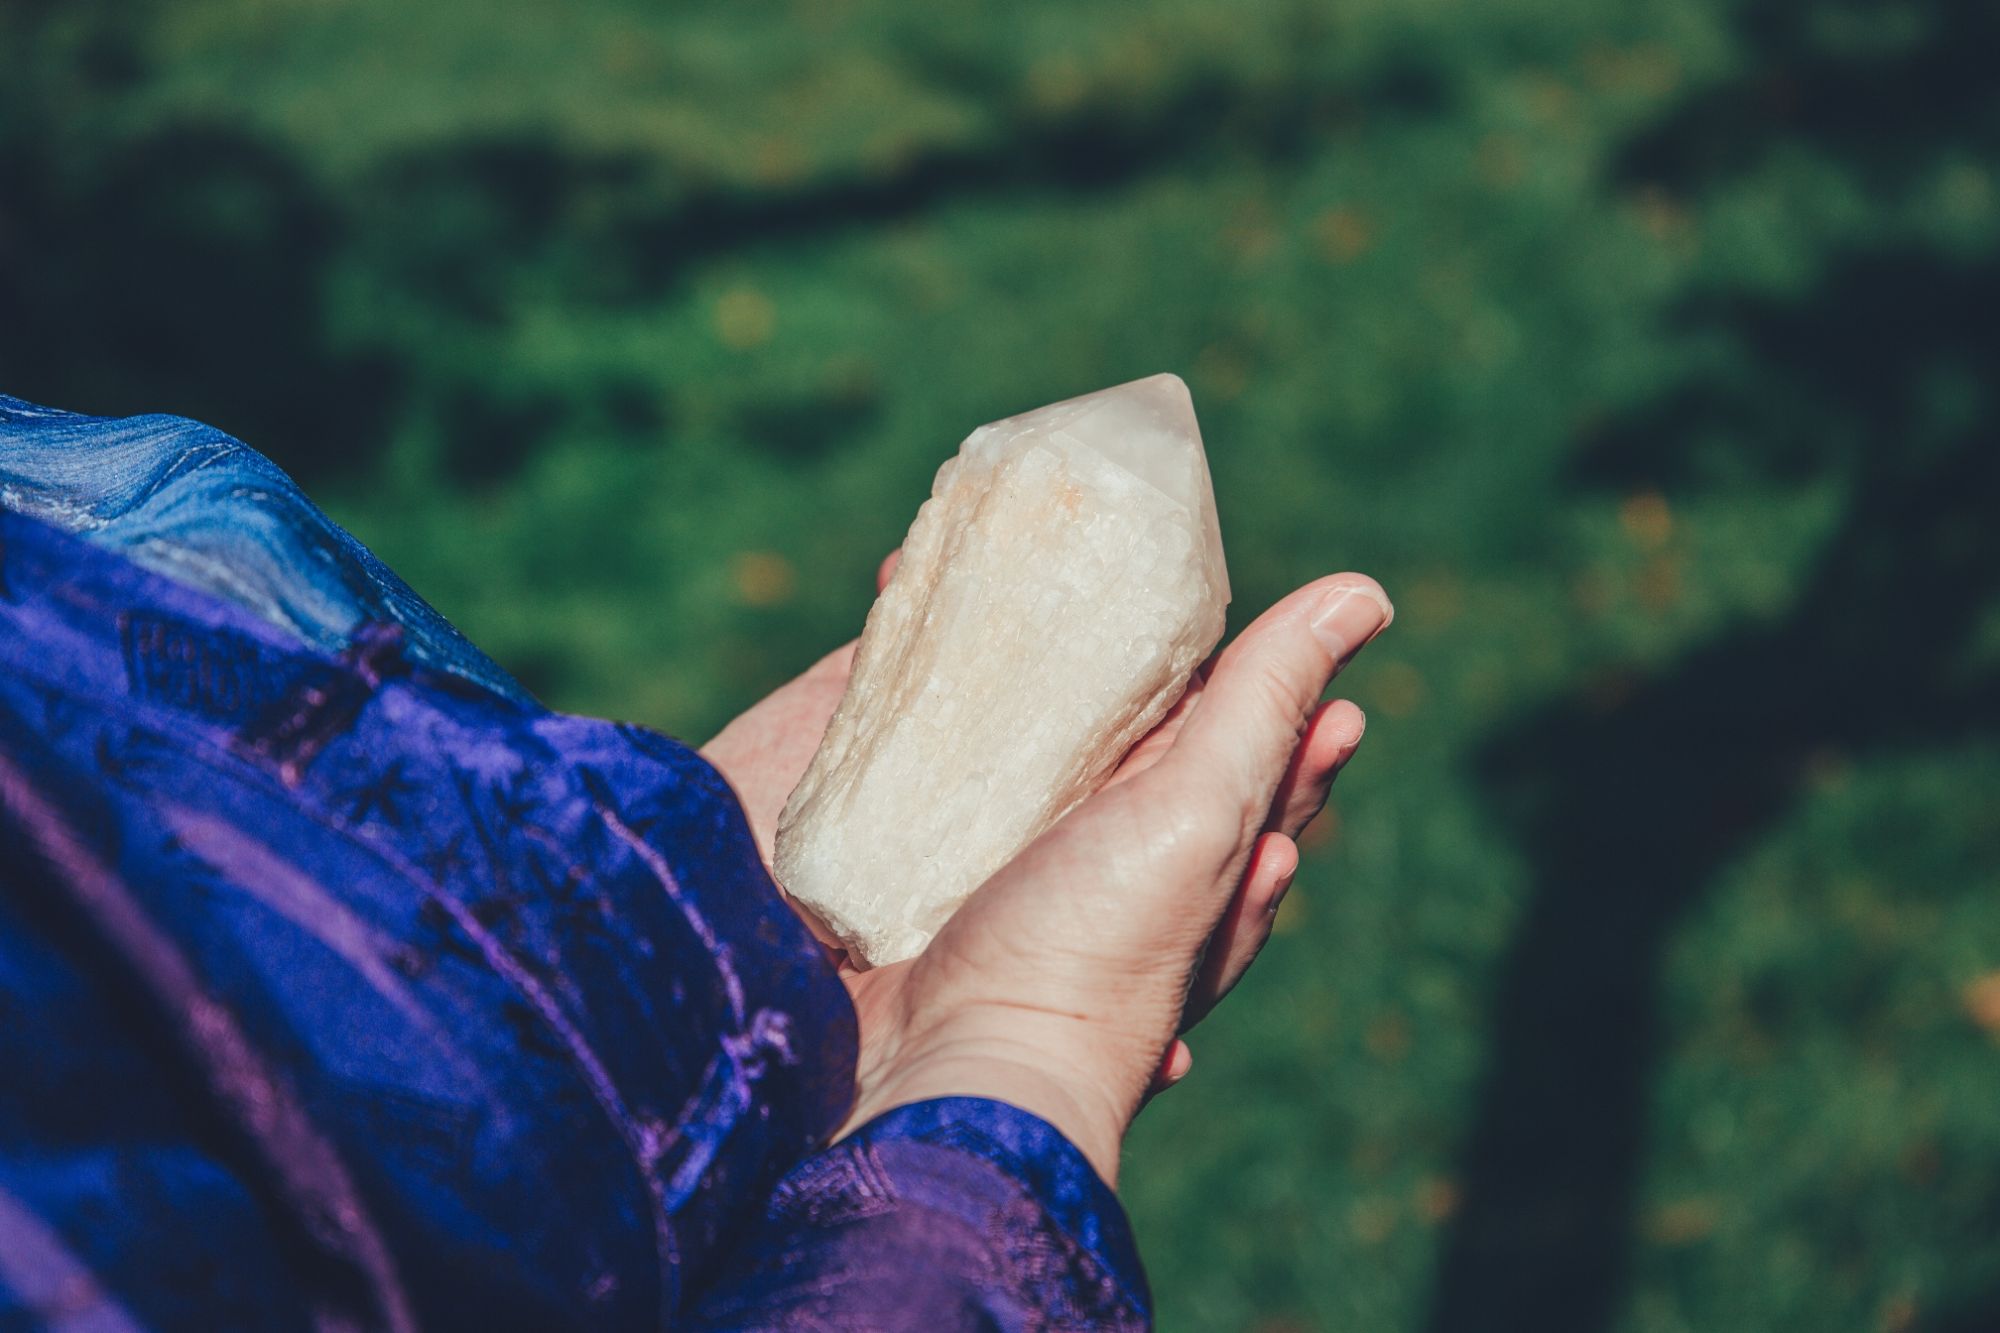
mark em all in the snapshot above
pixel 218 675
pixel 844 1184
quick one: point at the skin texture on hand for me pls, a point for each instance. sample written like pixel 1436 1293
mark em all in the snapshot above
pixel 1063 983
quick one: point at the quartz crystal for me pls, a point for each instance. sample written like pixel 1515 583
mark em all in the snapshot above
pixel 1055 594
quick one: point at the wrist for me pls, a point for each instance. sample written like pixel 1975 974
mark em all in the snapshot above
pixel 1091 1117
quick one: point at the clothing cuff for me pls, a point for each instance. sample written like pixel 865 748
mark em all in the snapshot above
pixel 1036 1155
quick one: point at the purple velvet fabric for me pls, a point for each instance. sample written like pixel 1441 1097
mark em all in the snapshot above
pixel 345 991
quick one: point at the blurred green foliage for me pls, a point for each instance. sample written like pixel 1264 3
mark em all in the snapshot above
pixel 1650 978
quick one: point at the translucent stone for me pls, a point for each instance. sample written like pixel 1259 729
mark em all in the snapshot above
pixel 1055 594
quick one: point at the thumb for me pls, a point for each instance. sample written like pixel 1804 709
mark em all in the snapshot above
pixel 1264 688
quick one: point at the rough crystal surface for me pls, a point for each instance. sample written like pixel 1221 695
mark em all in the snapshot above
pixel 1055 594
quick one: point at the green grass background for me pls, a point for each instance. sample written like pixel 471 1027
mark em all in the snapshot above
pixel 1648 974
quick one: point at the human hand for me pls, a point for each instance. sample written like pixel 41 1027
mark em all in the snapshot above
pixel 1060 985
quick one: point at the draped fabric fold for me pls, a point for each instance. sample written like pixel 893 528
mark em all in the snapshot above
pixel 342 985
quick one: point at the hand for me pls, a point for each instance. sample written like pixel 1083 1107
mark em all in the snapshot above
pixel 1061 984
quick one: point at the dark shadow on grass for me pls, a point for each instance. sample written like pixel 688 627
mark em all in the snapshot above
pixel 1628 797
pixel 1626 801
pixel 1866 80
pixel 166 268
pixel 188 268
pixel 182 272
pixel 619 233
pixel 1979 1314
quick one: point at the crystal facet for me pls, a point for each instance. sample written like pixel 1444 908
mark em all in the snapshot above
pixel 1055 594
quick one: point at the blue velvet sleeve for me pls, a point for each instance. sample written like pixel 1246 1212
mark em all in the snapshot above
pixel 343 985
pixel 954 1214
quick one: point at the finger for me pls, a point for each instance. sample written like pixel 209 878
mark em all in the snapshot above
pixel 887 569
pixel 1267 685
pixel 1332 736
pixel 1245 926
pixel 1174 1067
pixel 835 665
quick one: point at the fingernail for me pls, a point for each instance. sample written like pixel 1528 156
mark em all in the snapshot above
pixel 1347 618
pixel 1278 896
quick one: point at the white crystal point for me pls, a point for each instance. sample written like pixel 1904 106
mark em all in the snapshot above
pixel 1055 594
